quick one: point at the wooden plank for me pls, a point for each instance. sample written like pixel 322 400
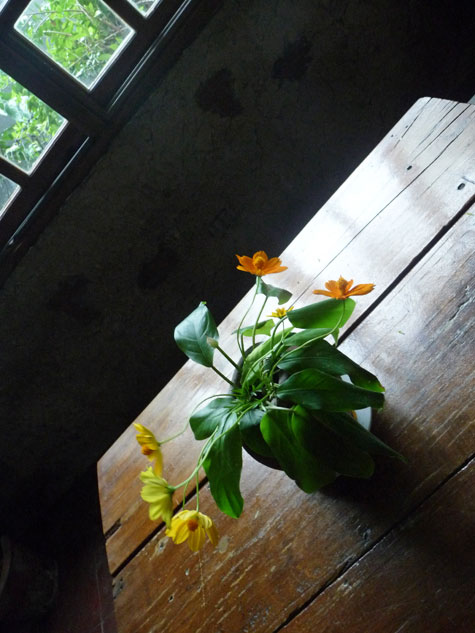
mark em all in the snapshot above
pixel 287 545
pixel 348 236
pixel 417 579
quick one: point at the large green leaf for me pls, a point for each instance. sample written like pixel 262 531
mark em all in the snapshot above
pixel 299 338
pixel 272 291
pixel 192 333
pixel 349 430
pixel 315 389
pixel 223 466
pixel 308 472
pixel 321 355
pixel 330 448
pixel 251 432
pixel 330 313
pixel 206 420
pixel 251 419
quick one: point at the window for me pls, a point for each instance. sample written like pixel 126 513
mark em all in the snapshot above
pixel 27 124
pixel 145 6
pixel 71 73
pixel 81 36
pixel 7 189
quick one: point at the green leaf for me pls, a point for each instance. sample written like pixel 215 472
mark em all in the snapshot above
pixel 192 333
pixel 223 466
pixel 321 355
pixel 251 433
pixel 348 429
pixel 206 420
pixel 250 419
pixel 330 313
pixel 263 327
pixel 250 367
pixel 314 389
pixel 272 291
pixel 299 338
pixel 330 448
pixel 309 473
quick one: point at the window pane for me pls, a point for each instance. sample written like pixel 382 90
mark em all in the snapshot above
pixel 144 6
pixel 27 124
pixel 7 189
pixel 82 36
pixel 3 3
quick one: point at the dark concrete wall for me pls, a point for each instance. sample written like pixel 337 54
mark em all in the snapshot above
pixel 261 119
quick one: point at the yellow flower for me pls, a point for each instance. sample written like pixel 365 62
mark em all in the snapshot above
pixel 259 264
pixel 342 289
pixel 192 525
pixel 158 494
pixel 279 313
pixel 150 447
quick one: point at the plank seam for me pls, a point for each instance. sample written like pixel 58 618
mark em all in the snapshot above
pixel 467 204
pixel 410 266
pixel 351 563
pixel 156 530
pixel 442 131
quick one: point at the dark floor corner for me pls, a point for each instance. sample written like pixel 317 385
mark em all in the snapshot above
pixel 71 534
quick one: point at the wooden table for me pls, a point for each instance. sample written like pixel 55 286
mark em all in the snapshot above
pixel 394 553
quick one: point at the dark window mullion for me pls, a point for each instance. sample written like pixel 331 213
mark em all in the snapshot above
pixel 13 173
pixel 112 83
pixel 43 178
pixel 10 13
pixel 31 68
pixel 157 31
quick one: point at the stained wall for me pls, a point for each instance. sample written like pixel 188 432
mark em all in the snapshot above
pixel 260 120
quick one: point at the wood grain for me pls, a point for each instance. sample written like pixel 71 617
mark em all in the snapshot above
pixel 373 228
pixel 288 546
pixel 417 579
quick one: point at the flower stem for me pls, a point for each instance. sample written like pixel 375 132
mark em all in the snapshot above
pixel 220 349
pixel 239 336
pixel 222 376
pixel 197 491
pixel 173 437
pixel 257 321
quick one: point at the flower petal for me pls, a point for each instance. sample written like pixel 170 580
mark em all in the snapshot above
pixel 158 465
pixel 360 289
pixel 196 539
pixel 178 531
pixel 259 264
pixel 342 289
pixel 323 292
pixel 213 535
pixel 246 264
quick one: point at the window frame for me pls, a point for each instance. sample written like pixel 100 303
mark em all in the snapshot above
pixel 94 115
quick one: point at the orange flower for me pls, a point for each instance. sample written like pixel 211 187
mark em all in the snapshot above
pixel 342 289
pixel 259 264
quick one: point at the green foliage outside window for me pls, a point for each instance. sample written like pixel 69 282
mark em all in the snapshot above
pixel 79 35
pixel 7 189
pixel 27 124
